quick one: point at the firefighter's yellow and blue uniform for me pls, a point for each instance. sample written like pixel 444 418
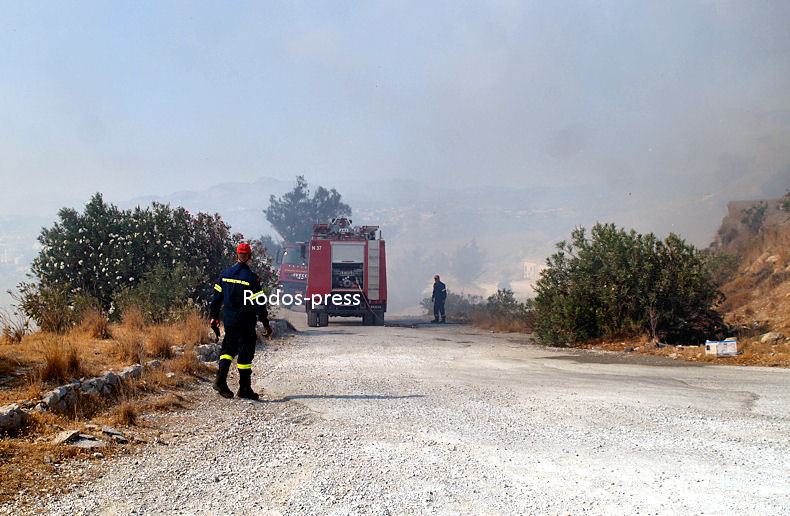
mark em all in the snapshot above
pixel 238 316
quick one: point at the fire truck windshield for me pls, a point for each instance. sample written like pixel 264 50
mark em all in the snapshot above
pixel 291 257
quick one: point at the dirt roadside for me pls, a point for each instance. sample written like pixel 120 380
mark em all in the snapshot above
pixel 449 419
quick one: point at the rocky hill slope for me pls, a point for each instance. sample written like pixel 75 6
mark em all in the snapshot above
pixel 755 236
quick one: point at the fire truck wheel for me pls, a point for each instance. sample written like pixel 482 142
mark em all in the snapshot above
pixel 378 318
pixel 312 319
pixel 323 318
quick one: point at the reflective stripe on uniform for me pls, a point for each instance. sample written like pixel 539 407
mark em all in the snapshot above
pixel 217 288
pixel 257 294
pixel 240 282
pixel 244 366
pixel 225 357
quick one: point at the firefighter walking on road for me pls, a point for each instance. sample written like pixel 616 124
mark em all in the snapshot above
pixel 438 297
pixel 239 316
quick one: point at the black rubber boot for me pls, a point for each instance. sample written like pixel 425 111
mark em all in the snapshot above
pixel 245 389
pixel 221 382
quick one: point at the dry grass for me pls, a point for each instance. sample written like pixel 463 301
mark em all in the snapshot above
pixel 61 359
pixel 42 360
pixel 8 364
pixel 193 329
pixel 513 326
pixel 13 327
pixel 753 353
pixel 95 324
pixel 35 388
pixel 741 283
pixel 157 380
pixel 759 293
pixel 128 347
pixel 126 414
pixel 24 466
pixel 482 319
pixel 160 343
pixel 88 406
pixel 22 388
pixel 170 401
pixel 187 363
pixel 757 353
pixel 736 300
pixel 133 319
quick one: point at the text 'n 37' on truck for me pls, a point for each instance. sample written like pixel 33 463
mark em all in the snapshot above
pixel 347 274
pixel 292 260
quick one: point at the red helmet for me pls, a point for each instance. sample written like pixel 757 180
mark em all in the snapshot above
pixel 244 249
pixel 436 276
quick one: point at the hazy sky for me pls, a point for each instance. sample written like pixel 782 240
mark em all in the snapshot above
pixel 135 98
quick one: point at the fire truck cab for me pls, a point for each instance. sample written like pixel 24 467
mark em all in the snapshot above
pixel 292 260
pixel 347 274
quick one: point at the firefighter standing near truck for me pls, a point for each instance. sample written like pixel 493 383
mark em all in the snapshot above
pixel 239 316
pixel 438 297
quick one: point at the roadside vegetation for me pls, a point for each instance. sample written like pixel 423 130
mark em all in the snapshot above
pixel 618 282
pixel 109 288
pixel 613 289
pixel 500 312
pixel 41 361
pixel 159 259
pixel 612 283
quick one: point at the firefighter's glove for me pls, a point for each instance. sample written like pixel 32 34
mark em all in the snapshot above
pixel 215 327
pixel 267 331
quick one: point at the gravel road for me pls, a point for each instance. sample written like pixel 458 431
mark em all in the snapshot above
pixel 449 419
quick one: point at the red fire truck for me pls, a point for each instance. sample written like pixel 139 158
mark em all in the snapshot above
pixel 347 274
pixel 292 260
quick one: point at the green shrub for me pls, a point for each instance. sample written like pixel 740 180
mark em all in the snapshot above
pixel 48 306
pixel 13 325
pixel 162 294
pixel 503 307
pixel 164 257
pixel 722 266
pixel 625 282
pixel 753 217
